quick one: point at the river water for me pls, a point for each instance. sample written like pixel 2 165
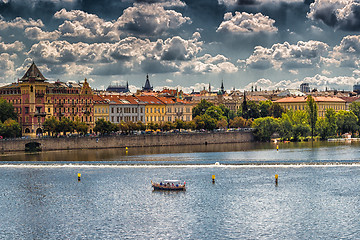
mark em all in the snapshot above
pixel 317 196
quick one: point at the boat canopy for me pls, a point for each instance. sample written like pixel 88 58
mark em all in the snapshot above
pixel 172 181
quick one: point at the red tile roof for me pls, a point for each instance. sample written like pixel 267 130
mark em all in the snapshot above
pixel 303 99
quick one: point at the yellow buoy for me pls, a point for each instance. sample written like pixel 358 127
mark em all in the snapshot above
pixel 79 176
pixel 276 179
pixel 277 147
pixel 126 148
pixel 213 178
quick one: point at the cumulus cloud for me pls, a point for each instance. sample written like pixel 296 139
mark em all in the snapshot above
pixel 19 23
pixel 145 19
pixel 234 3
pixel 36 33
pixel 341 14
pixel 208 64
pixel 241 23
pixel 7 67
pixel 347 52
pixel 11 47
pixel 164 3
pixel 79 24
pixel 169 55
pixel 287 56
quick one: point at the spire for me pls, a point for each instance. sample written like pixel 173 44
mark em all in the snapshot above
pixel 222 86
pixel 209 88
pixel 33 74
pixel 147 86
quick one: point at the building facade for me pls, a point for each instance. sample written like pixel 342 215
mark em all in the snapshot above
pixel 35 99
pixel 323 103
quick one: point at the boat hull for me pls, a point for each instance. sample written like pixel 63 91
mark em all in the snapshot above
pixel 169 188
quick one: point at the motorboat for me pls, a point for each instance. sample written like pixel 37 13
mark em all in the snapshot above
pixel 169 185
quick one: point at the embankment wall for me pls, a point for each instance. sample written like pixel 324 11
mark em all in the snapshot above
pixel 119 141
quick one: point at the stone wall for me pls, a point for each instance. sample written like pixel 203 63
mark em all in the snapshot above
pixel 122 141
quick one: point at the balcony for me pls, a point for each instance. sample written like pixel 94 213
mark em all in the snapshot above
pixel 38 95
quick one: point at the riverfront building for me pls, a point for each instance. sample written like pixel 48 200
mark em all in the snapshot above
pixel 101 108
pixel 323 103
pixel 125 108
pixel 35 99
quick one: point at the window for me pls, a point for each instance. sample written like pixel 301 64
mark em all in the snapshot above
pixel 26 110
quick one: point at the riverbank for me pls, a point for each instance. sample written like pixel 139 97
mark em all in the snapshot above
pixel 123 141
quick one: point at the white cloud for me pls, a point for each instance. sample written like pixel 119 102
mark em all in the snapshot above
pixel 7 67
pixel 347 52
pixel 208 64
pixel 287 56
pixel 19 23
pixel 36 33
pixel 244 22
pixel 79 24
pixel 234 3
pixel 11 47
pixel 341 14
pixel 150 19
pixel 169 81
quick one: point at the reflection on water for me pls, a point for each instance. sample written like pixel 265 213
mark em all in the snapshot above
pixel 120 154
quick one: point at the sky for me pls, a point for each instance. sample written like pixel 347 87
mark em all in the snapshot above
pixel 185 44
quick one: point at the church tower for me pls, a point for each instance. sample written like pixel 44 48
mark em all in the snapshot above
pixel 147 86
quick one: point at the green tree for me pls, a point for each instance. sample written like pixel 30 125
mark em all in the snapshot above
pixel 251 110
pixel 141 126
pixel 276 110
pixel 330 117
pixel 205 122
pixel 265 127
pixel 222 123
pixel 10 129
pixel 7 111
pixel 201 108
pixel 190 125
pixel 312 111
pixel 49 125
pixel 65 125
pixel 104 127
pixel 215 112
pixel 355 108
pixel 286 126
pixel 346 121
pixel 81 127
pixel 179 124
pixel 238 122
pixel 322 128
pixel 265 108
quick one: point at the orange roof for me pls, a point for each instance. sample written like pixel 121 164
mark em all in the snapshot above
pixel 150 100
pixel 166 100
pixel 99 99
pixel 303 99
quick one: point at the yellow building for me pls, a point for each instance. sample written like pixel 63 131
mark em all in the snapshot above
pixel 154 109
pixel 178 109
pixel 323 103
pixel 101 108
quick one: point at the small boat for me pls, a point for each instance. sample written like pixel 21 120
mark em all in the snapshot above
pixel 170 185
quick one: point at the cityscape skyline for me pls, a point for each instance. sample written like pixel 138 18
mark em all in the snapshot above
pixel 187 44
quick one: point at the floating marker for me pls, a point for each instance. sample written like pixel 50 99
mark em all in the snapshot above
pixel 79 177
pixel 277 147
pixel 276 179
pixel 126 148
pixel 213 178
